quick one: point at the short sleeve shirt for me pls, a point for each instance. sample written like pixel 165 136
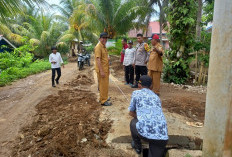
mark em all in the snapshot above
pixel 151 121
pixel 155 62
pixel 100 51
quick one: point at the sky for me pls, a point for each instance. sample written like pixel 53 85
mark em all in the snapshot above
pixel 153 18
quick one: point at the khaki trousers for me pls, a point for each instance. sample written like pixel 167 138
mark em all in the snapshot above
pixel 103 85
pixel 155 76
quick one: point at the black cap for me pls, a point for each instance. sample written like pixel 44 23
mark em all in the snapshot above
pixel 130 42
pixel 54 48
pixel 145 81
pixel 104 35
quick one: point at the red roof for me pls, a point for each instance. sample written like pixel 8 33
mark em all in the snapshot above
pixel 133 33
pixel 155 26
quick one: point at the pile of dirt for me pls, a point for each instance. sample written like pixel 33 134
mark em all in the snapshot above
pixel 67 125
pixel 81 80
pixel 116 67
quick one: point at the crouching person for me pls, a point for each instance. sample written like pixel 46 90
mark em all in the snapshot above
pixel 148 121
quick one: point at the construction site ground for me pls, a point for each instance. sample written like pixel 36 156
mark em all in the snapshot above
pixel 39 120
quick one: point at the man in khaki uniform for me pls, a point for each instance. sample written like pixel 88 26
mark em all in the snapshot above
pixel 102 68
pixel 155 63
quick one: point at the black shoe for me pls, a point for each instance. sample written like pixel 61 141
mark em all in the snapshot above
pixel 138 150
pixel 57 82
pixel 134 86
pixel 107 103
pixel 53 85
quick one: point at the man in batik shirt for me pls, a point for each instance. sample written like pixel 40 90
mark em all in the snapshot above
pixel 148 121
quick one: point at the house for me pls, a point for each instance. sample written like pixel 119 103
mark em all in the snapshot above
pixel 4 42
pixel 153 28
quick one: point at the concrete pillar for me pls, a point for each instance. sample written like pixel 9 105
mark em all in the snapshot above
pixel 217 140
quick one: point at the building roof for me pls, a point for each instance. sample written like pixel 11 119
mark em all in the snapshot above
pixel 8 42
pixel 155 26
pixel 133 33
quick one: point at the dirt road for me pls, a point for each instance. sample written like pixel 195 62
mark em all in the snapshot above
pixel 39 120
pixel 18 101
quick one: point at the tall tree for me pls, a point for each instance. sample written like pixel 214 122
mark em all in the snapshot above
pixel 199 16
pixel 182 18
pixel 162 16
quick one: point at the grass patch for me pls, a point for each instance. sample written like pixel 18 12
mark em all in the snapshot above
pixel 14 73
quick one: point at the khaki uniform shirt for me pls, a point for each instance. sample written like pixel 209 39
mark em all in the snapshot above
pixel 100 51
pixel 155 62
pixel 141 54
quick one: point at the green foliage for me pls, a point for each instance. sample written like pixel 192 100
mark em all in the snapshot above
pixel 116 50
pixel 182 19
pixel 14 73
pixel 187 155
pixel 204 43
pixel 176 71
pixel 89 49
pixel 18 64
pixel 208 10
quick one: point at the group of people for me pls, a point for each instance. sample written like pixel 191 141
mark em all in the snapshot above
pixel 142 60
pixel 148 121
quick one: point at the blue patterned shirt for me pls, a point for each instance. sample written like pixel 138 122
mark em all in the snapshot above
pixel 151 121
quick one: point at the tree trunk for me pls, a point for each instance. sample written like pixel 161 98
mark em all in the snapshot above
pixel 161 17
pixel 198 26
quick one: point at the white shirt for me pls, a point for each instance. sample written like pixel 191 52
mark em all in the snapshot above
pixel 129 56
pixel 55 58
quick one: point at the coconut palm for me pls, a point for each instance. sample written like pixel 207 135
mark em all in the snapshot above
pixel 40 28
pixel 11 7
pixel 81 25
pixel 116 17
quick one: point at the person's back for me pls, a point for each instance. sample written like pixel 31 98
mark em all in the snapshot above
pixel 151 121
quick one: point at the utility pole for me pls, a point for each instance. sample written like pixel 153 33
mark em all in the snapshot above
pixel 217 140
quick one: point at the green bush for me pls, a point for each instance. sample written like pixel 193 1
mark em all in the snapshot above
pixel 115 50
pixel 176 71
pixel 14 73
pixel 89 48
pixel 18 64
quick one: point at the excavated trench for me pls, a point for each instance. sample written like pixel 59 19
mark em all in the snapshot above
pixel 174 142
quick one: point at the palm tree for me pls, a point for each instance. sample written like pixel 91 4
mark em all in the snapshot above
pixel 81 26
pixel 116 17
pixel 10 7
pixel 40 28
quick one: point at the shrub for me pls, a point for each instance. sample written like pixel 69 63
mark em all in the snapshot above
pixel 176 71
pixel 115 50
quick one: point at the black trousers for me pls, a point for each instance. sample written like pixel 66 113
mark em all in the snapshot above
pixel 54 70
pixel 156 147
pixel 139 71
pixel 129 74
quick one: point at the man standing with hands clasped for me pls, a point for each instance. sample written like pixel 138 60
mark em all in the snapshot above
pixel 55 60
pixel 140 59
pixel 102 69
pixel 155 63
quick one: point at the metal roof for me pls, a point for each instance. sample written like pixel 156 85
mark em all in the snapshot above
pixel 3 38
